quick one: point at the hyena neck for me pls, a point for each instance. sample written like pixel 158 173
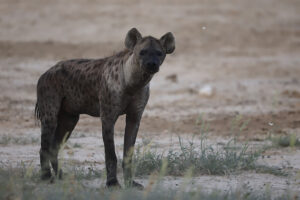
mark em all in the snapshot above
pixel 135 77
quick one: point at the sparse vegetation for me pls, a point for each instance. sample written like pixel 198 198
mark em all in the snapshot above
pixel 277 171
pixel 204 126
pixel 200 160
pixel 84 173
pixel 238 124
pixel 76 145
pixel 82 135
pixel 7 139
pixel 23 183
pixel 285 141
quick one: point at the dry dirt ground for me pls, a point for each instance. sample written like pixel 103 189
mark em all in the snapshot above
pixel 236 67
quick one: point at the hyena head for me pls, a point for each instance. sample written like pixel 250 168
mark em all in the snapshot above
pixel 148 51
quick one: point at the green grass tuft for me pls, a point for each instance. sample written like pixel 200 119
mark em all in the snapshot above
pixel 7 139
pixel 76 145
pixel 201 160
pixel 285 141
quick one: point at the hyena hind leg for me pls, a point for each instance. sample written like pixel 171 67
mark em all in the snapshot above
pixel 48 130
pixel 66 124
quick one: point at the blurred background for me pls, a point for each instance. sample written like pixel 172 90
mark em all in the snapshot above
pixel 233 58
pixel 235 73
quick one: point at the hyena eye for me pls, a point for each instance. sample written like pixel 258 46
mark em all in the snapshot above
pixel 158 53
pixel 143 52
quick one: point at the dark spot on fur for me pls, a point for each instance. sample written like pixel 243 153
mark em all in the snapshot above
pixel 108 95
pixel 116 62
pixel 116 76
pixel 70 78
pixel 64 72
pixel 48 77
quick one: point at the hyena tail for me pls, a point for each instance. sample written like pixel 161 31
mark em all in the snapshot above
pixel 37 113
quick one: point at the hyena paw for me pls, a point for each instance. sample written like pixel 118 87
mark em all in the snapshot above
pixel 46 175
pixel 113 184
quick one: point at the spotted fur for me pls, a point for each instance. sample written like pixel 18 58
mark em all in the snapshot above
pixel 105 88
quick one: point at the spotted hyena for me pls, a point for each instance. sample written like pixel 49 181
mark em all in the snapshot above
pixel 105 88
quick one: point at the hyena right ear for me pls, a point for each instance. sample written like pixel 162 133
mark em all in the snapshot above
pixel 168 42
pixel 132 37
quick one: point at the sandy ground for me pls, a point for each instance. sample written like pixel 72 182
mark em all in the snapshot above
pixel 236 65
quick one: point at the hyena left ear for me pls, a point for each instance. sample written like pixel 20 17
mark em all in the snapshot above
pixel 168 42
pixel 132 37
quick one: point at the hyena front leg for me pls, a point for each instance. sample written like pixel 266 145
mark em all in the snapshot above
pixel 110 154
pixel 131 130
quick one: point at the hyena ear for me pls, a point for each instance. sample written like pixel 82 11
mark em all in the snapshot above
pixel 168 42
pixel 132 37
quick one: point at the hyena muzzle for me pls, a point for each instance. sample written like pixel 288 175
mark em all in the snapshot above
pixel 105 88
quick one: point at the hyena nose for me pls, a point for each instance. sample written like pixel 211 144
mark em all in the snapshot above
pixel 152 66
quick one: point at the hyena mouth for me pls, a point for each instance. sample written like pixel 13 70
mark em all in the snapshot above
pixel 151 70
